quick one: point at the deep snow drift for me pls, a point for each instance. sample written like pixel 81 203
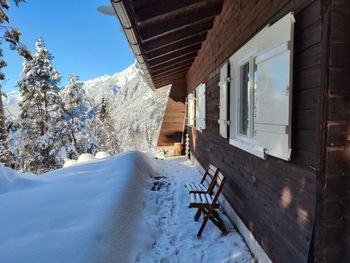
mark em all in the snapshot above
pixel 125 208
pixel 75 214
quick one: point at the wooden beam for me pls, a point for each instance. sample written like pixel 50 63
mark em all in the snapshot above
pixel 166 82
pixel 178 34
pixel 170 77
pixel 162 70
pixel 142 3
pixel 164 26
pixel 160 61
pixel 171 64
pixel 171 71
pixel 175 54
pixel 182 16
pixel 161 85
pixel 148 11
pixel 177 45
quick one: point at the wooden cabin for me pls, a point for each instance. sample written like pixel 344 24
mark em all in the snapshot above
pixel 261 89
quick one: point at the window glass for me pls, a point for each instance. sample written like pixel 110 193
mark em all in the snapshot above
pixel 244 100
pixel 255 81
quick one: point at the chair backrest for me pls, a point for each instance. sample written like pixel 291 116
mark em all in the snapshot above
pixel 211 171
pixel 217 185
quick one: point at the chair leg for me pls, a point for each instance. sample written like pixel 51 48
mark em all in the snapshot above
pixel 198 214
pixel 219 224
pixel 202 226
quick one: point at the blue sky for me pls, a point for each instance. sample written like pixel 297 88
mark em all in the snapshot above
pixel 82 40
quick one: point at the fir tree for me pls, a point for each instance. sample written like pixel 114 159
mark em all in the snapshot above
pixel 103 114
pixel 41 113
pixel 11 35
pixel 77 109
pixel 103 126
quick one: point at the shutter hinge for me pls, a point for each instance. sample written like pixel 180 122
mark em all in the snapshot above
pixel 228 79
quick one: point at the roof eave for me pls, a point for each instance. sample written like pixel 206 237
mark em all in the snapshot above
pixel 129 32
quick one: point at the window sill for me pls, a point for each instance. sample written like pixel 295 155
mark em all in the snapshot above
pixel 250 148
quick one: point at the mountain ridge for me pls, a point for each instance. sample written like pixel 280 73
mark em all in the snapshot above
pixel 136 110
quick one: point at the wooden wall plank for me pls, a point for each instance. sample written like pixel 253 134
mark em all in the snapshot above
pixel 274 198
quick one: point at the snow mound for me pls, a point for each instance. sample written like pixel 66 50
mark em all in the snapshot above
pixel 12 181
pixel 101 155
pixel 83 213
pixel 86 157
pixel 69 162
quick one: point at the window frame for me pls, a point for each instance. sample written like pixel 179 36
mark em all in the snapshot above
pixel 275 38
pixel 246 54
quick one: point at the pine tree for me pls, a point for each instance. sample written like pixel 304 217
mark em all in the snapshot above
pixel 104 130
pixel 41 113
pixel 103 114
pixel 11 35
pixel 77 109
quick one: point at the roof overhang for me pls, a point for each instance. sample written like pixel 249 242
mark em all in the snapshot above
pixel 165 35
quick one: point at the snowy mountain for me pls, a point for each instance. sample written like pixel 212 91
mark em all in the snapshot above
pixel 11 103
pixel 136 110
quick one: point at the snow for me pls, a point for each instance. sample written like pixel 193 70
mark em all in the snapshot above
pixel 11 101
pixel 136 111
pixel 101 155
pixel 125 208
pixel 86 157
pixel 76 214
pixel 69 162
pixel 171 223
pixel 12 181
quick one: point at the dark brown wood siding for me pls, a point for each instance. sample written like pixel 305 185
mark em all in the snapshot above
pixel 274 198
pixel 172 128
pixel 332 228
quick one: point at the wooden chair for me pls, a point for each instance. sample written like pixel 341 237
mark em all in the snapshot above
pixel 207 203
pixel 205 186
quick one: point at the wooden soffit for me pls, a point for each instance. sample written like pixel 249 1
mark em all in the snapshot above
pixel 170 33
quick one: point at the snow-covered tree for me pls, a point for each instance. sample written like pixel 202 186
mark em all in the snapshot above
pixel 11 35
pixel 103 125
pixel 103 114
pixel 41 113
pixel 78 114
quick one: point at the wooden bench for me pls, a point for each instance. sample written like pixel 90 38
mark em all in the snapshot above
pixel 205 185
pixel 206 203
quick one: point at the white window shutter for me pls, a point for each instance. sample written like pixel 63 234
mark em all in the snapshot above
pixel 272 127
pixel 190 109
pixel 200 109
pixel 223 118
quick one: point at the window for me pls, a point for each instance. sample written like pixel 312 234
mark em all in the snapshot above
pixel 260 92
pixel 244 118
pixel 200 107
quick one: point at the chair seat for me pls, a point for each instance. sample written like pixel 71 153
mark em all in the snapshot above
pixel 194 187
pixel 202 200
